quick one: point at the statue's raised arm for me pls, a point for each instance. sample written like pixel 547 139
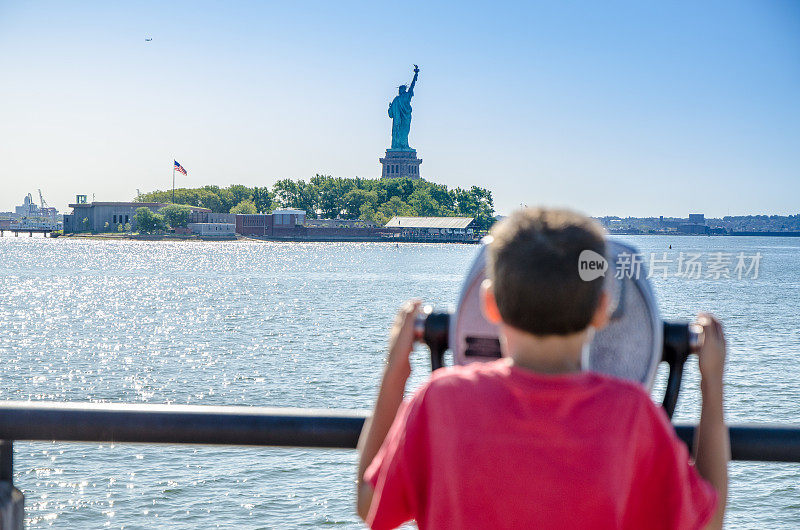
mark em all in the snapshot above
pixel 414 81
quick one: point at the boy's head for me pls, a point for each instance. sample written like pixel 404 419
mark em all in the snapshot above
pixel 533 266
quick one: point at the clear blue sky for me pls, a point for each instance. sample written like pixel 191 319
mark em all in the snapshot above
pixel 626 108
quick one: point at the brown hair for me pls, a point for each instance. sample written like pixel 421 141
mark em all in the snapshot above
pixel 533 265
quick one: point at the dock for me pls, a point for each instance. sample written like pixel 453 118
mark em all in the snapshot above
pixel 30 231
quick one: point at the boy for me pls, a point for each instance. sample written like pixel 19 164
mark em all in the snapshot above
pixel 530 440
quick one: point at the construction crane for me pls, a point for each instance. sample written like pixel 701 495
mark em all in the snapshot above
pixel 41 200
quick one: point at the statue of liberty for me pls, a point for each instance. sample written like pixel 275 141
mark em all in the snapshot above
pixel 400 112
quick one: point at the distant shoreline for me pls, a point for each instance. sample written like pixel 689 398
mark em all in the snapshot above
pixel 194 237
pixel 728 234
pixel 144 237
pixel 173 237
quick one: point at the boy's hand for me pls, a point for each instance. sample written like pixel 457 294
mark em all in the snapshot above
pixel 711 442
pixel 712 353
pixel 401 339
pixel 390 397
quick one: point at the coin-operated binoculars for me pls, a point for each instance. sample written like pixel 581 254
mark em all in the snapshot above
pixel 631 346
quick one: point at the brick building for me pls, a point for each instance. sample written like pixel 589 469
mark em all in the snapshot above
pixel 280 223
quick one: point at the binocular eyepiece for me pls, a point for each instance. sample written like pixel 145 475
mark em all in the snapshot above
pixel 680 338
pixel 421 323
pixel 432 328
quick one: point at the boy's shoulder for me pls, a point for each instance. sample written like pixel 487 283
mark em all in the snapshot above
pixel 469 375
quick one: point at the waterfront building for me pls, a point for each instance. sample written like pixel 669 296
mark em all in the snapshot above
pixel 449 228
pixel 258 224
pixel 339 223
pixel 293 225
pixel 226 230
pixel 288 217
pixel 106 216
pixel 205 216
pixel 280 223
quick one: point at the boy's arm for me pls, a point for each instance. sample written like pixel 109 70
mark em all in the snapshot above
pixel 390 397
pixel 712 443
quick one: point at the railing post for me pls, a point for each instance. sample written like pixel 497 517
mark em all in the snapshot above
pixel 6 461
pixel 12 513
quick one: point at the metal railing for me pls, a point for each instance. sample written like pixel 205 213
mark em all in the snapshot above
pixel 183 424
pixel 262 426
pixel 254 426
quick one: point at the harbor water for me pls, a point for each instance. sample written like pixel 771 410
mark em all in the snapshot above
pixel 305 325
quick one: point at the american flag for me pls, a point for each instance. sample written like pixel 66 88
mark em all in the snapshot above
pixel 179 167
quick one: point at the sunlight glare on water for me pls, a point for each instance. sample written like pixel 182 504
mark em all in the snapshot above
pixel 304 325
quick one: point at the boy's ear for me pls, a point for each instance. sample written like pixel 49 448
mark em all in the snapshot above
pixel 601 314
pixel 489 303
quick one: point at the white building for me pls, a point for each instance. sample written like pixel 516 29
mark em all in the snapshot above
pixel 459 228
pixel 284 217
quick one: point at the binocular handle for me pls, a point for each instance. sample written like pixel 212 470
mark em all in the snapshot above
pixel 433 329
pixel 680 341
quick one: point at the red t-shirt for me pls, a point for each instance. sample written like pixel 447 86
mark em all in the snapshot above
pixel 496 446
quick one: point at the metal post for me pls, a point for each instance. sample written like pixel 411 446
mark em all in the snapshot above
pixel 6 460
pixel 12 502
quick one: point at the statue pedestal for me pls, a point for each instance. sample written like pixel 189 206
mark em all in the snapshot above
pixel 400 163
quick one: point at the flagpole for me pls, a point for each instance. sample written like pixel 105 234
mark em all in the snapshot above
pixel 173 182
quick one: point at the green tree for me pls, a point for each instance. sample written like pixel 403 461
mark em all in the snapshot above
pixel 484 211
pixel 423 204
pixel 465 203
pixel 368 213
pixel 297 194
pixel 402 188
pixel 263 199
pixel 371 199
pixel 176 215
pixel 245 207
pixel 286 192
pixel 331 196
pixel 148 222
pixel 240 193
pixel 220 200
pixel 120 228
pixel 143 219
pixel 439 193
pixel 353 201
pixel 395 207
